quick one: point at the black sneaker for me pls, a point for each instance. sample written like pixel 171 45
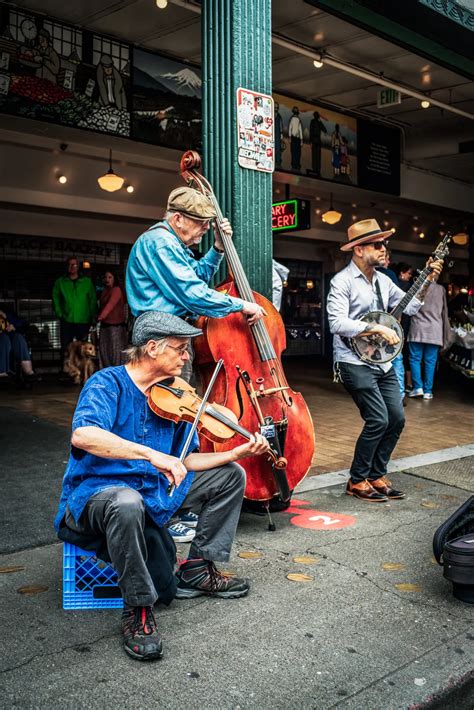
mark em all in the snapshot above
pixel 141 639
pixel 198 577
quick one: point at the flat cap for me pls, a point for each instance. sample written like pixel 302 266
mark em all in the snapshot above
pixel 191 203
pixel 153 325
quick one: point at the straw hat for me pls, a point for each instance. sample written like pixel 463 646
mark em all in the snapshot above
pixel 363 232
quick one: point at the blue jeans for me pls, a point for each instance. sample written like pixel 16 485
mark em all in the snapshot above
pixel 397 364
pixel 377 395
pixel 17 343
pixel 428 355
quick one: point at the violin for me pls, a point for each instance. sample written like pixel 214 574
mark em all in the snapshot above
pixel 175 399
pixel 252 383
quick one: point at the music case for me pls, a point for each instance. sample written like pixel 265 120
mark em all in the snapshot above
pixel 453 547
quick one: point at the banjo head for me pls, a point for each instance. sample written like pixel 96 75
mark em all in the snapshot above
pixel 373 348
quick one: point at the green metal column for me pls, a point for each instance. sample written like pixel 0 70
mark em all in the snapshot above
pixel 236 42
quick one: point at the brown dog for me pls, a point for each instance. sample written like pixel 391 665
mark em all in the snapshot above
pixel 79 361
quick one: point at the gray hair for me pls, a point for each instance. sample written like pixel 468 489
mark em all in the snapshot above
pixel 170 213
pixel 137 353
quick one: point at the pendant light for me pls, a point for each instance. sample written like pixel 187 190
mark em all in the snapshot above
pixel 331 216
pixel 110 182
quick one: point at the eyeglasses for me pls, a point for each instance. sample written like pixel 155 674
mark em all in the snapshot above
pixel 182 349
pixel 201 222
pixel 383 244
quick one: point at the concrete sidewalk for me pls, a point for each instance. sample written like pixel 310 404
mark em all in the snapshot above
pixel 374 627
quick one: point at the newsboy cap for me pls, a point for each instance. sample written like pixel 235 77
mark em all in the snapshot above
pixel 153 325
pixel 191 203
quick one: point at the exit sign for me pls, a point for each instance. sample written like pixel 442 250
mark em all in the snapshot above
pixel 290 215
pixel 388 97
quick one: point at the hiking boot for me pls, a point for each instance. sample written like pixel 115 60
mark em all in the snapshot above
pixel 141 639
pixel 198 577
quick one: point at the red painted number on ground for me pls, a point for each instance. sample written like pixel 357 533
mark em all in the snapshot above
pixel 317 519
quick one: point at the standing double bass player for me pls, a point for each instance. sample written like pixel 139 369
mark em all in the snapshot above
pixel 162 273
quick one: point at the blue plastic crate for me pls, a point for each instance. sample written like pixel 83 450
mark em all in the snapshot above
pixel 88 583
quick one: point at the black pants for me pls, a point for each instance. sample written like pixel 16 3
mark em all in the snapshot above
pixel 377 395
pixel 69 331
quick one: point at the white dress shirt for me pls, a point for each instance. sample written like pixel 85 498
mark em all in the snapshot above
pixel 350 297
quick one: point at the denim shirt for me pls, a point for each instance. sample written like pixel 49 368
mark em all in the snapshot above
pixel 111 401
pixel 163 275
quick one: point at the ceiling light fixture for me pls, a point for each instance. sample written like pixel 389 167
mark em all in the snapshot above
pixel 421 235
pixel 62 179
pixel 331 216
pixel 461 238
pixel 130 189
pixel 317 64
pixel 425 103
pixel 110 182
pixel 161 4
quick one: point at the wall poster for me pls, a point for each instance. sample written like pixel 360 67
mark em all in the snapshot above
pixel 166 102
pixel 315 141
pixel 255 136
pixel 51 71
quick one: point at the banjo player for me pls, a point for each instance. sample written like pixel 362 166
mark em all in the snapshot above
pixel 354 291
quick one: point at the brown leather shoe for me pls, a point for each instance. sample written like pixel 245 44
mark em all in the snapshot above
pixel 384 486
pixel 365 491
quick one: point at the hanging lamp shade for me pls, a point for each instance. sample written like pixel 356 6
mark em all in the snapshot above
pixel 110 182
pixel 331 216
pixel 461 238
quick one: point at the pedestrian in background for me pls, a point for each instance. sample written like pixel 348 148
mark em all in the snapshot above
pixel 75 304
pixel 113 338
pixel 429 331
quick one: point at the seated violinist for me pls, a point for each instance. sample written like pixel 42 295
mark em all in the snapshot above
pixel 115 489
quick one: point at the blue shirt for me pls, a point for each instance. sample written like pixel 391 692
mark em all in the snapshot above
pixel 163 275
pixel 111 401
pixel 350 297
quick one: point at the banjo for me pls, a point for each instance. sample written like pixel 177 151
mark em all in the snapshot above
pixel 374 349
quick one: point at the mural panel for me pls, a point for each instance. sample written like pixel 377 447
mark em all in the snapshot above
pixel 166 102
pixel 315 141
pixel 51 71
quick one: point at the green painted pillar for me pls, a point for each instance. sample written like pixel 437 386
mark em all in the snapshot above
pixel 236 52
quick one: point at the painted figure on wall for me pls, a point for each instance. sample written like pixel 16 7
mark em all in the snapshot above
pixel 336 144
pixel 278 135
pixel 295 132
pixel 110 84
pixel 46 56
pixel 316 128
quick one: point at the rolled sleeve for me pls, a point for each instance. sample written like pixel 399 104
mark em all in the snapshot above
pixel 97 406
pixel 208 265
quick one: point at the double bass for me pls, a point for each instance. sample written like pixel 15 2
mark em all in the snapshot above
pixel 252 382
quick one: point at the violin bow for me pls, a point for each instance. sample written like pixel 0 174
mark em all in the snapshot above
pixel 171 488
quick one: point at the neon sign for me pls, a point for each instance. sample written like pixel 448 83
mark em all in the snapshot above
pixel 290 215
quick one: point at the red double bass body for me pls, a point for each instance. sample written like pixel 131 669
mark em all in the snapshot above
pixel 229 338
pixel 252 382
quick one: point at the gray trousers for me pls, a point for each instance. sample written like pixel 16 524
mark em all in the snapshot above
pixel 119 513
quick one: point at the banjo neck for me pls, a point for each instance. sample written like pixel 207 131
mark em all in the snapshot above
pixel 441 251
pixel 411 293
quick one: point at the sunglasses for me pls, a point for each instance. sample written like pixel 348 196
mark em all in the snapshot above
pixel 382 244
